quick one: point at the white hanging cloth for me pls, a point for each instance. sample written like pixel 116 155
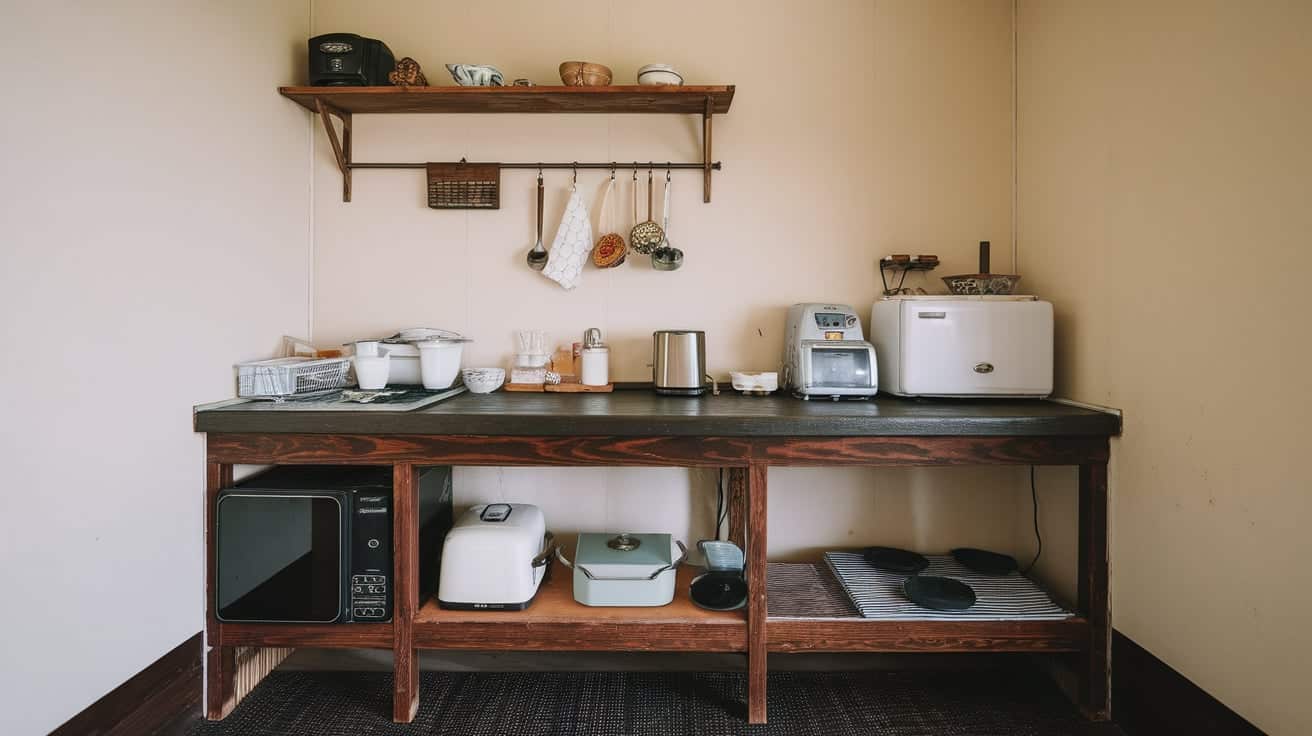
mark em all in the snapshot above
pixel 573 243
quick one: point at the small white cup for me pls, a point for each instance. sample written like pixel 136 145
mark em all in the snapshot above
pixel 371 372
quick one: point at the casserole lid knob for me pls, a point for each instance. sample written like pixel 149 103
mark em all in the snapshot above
pixel 624 542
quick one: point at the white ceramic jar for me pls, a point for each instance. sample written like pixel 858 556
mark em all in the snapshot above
pixel 439 363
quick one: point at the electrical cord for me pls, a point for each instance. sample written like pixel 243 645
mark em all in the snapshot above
pixel 720 510
pixel 1034 500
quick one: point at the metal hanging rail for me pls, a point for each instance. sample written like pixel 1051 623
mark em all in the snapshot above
pixel 607 165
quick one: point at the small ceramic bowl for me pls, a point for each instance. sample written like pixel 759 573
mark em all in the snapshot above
pixel 659 74
pixel 484 380
pixel 584 74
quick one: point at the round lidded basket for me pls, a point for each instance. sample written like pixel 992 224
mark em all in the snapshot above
pixel 584 74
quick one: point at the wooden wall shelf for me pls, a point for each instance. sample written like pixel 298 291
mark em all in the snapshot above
pixel 343 102
pixel 686 100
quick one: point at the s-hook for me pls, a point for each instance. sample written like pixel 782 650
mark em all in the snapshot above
pixel 576 173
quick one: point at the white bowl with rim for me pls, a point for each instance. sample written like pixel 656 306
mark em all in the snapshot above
pixel 659 75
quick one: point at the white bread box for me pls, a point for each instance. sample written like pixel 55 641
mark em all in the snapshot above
pixel 963 346
pixel 494 558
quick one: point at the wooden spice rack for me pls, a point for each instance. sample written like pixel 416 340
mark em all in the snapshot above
pixel 343 102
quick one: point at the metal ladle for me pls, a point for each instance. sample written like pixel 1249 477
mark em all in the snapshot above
pixel 537 258
pixel 666 257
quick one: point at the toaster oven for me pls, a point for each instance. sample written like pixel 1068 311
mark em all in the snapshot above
pixel 313 544
pixel 826 355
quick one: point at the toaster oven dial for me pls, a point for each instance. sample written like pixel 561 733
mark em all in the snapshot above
pixel 335 64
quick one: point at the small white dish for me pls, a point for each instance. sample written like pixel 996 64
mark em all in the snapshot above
pixel 762 382
pixel 659 74
pixel 483 380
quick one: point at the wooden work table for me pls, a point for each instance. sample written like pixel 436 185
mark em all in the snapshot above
pixel 744 435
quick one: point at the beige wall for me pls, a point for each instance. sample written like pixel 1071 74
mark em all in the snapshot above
pixel 155 210
pixel 858 129
pixel 1164 206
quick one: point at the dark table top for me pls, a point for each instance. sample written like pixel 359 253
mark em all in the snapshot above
pixel 641 413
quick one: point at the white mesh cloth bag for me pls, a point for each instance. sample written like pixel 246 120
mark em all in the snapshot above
pixel 573 243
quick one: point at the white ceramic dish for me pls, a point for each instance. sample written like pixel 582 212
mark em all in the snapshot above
pixel 659 74
pixel 767 381
pixel 484 380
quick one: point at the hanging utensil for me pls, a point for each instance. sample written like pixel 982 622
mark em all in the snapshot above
pixel 646 236
pixel 610 250
pixel 666 257
pixel 537 258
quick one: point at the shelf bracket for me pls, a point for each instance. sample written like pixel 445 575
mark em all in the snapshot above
pixel 706 150
pixel 342 147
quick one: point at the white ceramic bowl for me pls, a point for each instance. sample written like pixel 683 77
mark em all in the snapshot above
pixel 658 74
pixel 484 380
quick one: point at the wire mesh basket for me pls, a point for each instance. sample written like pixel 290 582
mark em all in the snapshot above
pixel 287 376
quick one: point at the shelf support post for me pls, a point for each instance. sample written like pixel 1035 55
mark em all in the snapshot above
pixel 756 593
pixel 405 591
pixel 1094 595
pixel 342 147
pixel 220 661
pixel 706 150
pixel 737 503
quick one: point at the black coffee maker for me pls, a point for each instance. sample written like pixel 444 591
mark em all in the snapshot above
pixel 345 59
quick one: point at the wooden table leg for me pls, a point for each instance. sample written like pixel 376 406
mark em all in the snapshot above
pixel 737 502
pixel 405 591
pixel 220 662
pixel 1094 593
pixel 756 603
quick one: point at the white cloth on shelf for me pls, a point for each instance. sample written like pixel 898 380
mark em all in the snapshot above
pixel 573 243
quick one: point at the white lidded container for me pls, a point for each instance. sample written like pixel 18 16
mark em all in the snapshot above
pixel 963 346
pixel 495 558
pixel 625 569
pixel 595 359
pixel 406 363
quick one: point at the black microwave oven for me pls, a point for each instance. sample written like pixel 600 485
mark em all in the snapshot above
pixel 313 544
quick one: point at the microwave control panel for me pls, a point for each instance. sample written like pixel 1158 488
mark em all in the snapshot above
pixel 371 558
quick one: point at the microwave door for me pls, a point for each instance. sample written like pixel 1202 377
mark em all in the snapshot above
pixel 840 367
pixel 279 557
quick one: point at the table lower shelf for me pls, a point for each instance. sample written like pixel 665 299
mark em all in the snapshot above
pixel 818 619
pixel 556 622
pixel 860 635
pixel 323 636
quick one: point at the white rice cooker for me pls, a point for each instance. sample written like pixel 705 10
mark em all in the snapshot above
pixel 495 558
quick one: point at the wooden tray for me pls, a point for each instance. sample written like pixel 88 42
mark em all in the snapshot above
pixel 560 388
pixel 578 388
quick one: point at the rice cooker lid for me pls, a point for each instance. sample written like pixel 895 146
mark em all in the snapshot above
pixel 623 555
